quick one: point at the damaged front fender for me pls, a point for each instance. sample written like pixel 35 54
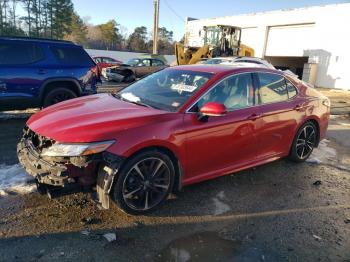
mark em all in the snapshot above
pixel 105 177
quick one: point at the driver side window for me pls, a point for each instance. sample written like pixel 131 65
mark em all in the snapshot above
pixel 234 92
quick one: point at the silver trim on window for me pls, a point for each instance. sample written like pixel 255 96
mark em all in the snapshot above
pixel 250 72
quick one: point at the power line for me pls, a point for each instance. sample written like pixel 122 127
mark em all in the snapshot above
pixel 172 10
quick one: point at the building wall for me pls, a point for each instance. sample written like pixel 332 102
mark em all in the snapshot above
pixel 321 33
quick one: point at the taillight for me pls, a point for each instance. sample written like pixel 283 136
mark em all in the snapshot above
pixel 96 70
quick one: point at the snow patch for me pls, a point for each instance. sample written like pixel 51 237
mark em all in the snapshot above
pixel 323 154
pixel 17 114
pixel 220 206
pixel 180 255
pixel 13 179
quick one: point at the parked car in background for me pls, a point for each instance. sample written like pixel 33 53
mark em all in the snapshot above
pixel 104 61
pixel 253 61
pixel 134 68
pixel 40 72
pixel 173 128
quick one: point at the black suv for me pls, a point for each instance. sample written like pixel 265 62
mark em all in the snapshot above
pixel 42 72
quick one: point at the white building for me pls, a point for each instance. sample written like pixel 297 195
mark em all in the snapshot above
pixel 299 39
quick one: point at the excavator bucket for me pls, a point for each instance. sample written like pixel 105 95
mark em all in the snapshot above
pixel 245 50
pixel 180 54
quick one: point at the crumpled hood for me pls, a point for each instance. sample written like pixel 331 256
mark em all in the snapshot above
pixel 91 118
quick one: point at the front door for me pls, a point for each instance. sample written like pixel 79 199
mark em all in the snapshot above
pixel 223 143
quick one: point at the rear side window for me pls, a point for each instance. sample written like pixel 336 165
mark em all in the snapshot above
pixel 292 91
pixel 15 53
pixel 72 56
pixel 108 60
pixel 157 63
pixel 272 89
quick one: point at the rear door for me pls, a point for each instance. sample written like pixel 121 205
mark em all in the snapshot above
pixel 143 68
pixel 21 72
pixel 73 63
pixel 279 111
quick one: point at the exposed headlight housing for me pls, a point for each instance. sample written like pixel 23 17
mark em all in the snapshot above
pixel 78 149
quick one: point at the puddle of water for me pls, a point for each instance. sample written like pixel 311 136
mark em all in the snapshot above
pixel 13 179
pixel 205 246
pixel 209 246
pixel 220 206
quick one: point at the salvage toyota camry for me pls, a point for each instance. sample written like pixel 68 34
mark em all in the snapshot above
pixel 173 128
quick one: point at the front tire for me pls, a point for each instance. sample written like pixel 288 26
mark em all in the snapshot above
pixel 130 78
pixel 144 183
pixel 304 142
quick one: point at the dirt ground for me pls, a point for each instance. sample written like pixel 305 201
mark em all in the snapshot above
pixel 277 212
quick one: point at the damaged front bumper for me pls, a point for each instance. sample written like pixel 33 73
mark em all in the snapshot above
pixel 61 173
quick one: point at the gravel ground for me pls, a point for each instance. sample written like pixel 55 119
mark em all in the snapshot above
pixel 277 212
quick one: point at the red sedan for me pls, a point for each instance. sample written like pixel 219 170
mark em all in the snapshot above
pixel 173 128
pixel 104 62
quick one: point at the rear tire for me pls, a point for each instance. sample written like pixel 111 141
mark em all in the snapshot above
pixel 304 142
pixel 58 95
pixel 144 183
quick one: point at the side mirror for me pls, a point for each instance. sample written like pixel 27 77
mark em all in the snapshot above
pixel 213 109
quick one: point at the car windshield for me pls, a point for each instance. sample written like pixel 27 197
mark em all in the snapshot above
pixel 167 90
pixel 214 61
pixel 133 62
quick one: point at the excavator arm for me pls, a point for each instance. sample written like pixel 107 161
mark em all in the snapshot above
pixel 190 56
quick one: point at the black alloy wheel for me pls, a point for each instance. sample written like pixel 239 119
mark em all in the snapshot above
pixel 144 183
pixel 304 142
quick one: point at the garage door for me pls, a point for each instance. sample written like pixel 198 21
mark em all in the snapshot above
pixel 291 40
pixel 249 36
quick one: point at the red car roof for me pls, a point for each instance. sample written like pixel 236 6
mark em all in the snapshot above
pixel 217 69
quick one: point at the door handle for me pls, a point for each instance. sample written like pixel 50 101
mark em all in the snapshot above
pixel 254 116
pixel 41 71
pixel 297 107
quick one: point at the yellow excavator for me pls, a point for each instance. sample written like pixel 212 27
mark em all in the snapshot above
pixel 219 41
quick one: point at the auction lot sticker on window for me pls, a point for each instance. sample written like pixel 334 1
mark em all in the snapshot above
pixel 183 88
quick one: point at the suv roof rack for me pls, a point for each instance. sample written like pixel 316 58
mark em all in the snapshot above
pixel 25 38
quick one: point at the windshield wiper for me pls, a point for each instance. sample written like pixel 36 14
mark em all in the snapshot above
pixel 118 96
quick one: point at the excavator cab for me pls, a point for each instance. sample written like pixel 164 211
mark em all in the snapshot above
pixel 222 40
pixel 218 41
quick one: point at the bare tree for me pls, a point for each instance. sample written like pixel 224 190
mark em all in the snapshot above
pixel 28 19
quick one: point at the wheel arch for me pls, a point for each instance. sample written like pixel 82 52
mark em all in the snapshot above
pixel 128 71
pixel 173 157
pixel 50 84
pixel 314 121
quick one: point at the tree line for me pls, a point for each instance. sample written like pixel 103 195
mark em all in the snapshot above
pixel 57 19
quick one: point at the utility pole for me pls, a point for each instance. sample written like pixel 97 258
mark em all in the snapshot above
pixel 155 27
